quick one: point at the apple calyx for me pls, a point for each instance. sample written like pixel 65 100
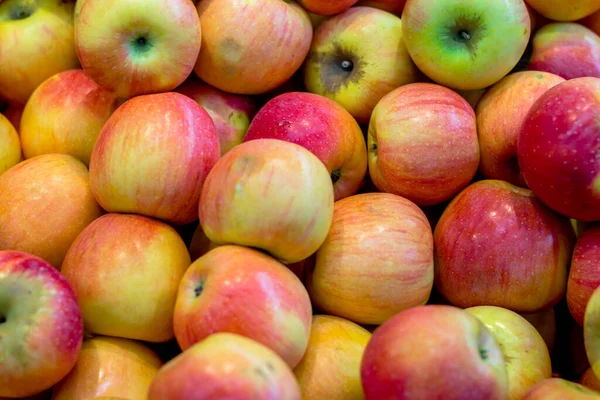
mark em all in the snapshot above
pixel 338 67
pixel 335 175
pixel 199 288
pixel 21 11
pixel 140 43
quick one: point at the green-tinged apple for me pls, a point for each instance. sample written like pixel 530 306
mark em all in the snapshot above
pixel 391 6
pixel 590 380
pixel 153 44
pixel 357 57
pixel 109 366
pixel 566 49
pixel 560 389
pixel 240 290
pixel 258 58
pixel 559 10
pixel 584 274
pixel 14 112
pixel 10 145
pixel 228 366
pixel 557 148
pixel 330 369
pixel 500 115
pixel 46 202
pixel 125 270
pixel 36 42
pixel 322 126
pixel 434 352
pixel 526 268
pixel 525 352
pixel 422 142
pixel 231 113
pixel 326 7
pixel 152 157
pixel 376 261
pixel 269 194
pixel 65 114
pixel 591 331
pixel 545 323
pixel 466 44
pixel 41 329
pixel 592 22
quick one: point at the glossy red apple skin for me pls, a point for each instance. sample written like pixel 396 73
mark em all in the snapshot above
pixel 526 268
pixel 584 275
pixel 557 148
pixel 321 126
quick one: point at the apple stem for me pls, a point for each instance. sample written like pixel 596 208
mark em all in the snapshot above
pixel 465 35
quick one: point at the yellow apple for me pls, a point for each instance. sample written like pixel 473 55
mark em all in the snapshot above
pixel 10 145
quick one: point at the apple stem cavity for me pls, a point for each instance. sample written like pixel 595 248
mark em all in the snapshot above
pixel 2 319
pixel 465 35
pixel 335 175
pixel 20 12
pixel 198 289
pixel 483 354
pixel 347 65
pixel 140 44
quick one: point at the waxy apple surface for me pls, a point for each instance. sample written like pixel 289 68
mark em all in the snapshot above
pixel 10 145
pixel 584 274
pixel 559 10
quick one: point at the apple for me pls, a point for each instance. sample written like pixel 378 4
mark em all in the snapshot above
pixel 391 6
pixel 268 194
pixel 433 352
pixel 152 157
pixel 54 189
pixel 590 380
pixel 591 331
pixel 496 244
pixel 240 290
pixel 326 7
pixel 258 58
pixel 153 44
pixel 10 145
pixel 560 389
pixel 228 366
pixel 422 142
pixel 109 366
pixel 376 261
pixel 584 276
pixel 321 126
pixel 330 368
pixel 200 244
pixel 40 325
pixel 466 44
pixel 545 323
pixel 526 354
pixel 472 96
pixel 126 269
pixel 65 114
pixel 557 151
pixel 566 49
pixel 559 10
pixel 356 58
pixel 231 113
pixel 592 22
pixel 500 115
pixel 36 42
pixel 14 112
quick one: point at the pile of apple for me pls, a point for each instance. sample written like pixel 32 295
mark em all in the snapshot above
pixel 317 200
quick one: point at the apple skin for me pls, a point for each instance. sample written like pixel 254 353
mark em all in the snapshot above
pixel 269 194
pixel 591 331
pixel 497 33
pixel 10 145
pixel 109 366
pixel 153 44
pixel 126 269
pixel 371 41
pixel 55 191
pixel 500 115
pixel 65 114
pixel 377 259
pixel 330 368
pixel 166 136
pixel 567 49
pixel 592 22
pixel 525 270
pixel 230 58
pixel 326 7
pixel 590 380
pixel 422 142
pixel 558 10
pixel 560 389
pixel 36 47
pixel 567 180
pixel 391 6
pixel 433 352
pixel 240 290
pixel 321 126
pixel 526 354
pixel 584 276
pixel 231 113
pixel 229 366
pixel 42 328
pixel 545 323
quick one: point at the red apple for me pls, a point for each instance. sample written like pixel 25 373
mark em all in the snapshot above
pixel 557 148
pixel 321 126
pixel 560 10
pixel 566 49
pixel 326 7
pixel 258 58
pixel 423 143
pixel 152 157
pixel 434 352
pixel 41 329
pixel 584 274
pixel 497 244
pixel 560 389
pixel 241 290
pixel 500 115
